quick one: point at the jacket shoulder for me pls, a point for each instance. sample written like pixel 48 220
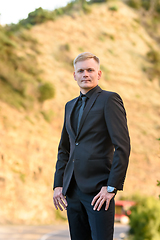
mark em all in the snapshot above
pixel 108 94
pixel 69 103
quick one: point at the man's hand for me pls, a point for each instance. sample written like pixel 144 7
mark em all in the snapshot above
pixel 102 197
pixel 58 199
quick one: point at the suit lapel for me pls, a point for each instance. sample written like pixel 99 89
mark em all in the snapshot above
pixel 89 105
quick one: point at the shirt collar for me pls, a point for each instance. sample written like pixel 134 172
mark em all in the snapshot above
pixel 89 93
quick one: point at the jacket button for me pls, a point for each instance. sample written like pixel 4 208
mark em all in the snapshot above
pixel 77 143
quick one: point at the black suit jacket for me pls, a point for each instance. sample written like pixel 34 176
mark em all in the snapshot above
pixel 99 153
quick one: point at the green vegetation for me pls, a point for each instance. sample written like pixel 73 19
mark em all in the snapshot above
pixel 146 4
pixel 22 176
pixel 81 49
pixel 153 57
pixel 149 12
pixel 105 35
pixel 134 3
pixel 145 220
pixel 41 15
pixel 66 47
pixel 19 71
pixel 46 91
pixel 113 8
pixel 98 1
pixel 38 16
pixel 86 8
pixel 20 84
pixel 48 115
pixel 158 184
pixel 29 120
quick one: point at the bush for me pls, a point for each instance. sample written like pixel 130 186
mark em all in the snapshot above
pixel 86 8
pixel 146 4
pixel 46 91
pixel 19 75
pixel 98 1
pixel 158 8
pixel 154 58
pixel 38 16
pixel 66 47
pixel 145 220
pixel 113 8
pixel 134 3
pixel 10 96
pixel 6 41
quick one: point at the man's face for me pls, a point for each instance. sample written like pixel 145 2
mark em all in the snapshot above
pixel 87 74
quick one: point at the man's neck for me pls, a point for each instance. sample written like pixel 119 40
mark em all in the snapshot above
pixel 84 91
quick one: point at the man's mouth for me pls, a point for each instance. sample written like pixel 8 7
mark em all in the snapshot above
pixel 86 80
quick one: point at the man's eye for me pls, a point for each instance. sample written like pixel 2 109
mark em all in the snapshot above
pixel 80 71
pixel 90 70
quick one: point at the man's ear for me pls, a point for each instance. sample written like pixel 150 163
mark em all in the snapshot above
pixel 74 75
pixel 99 74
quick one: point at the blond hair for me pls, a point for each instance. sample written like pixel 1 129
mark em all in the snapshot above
pixel 84 56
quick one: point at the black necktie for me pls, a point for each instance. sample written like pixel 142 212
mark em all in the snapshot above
pixel 81 110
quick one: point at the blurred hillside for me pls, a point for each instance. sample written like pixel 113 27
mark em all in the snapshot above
pixel 36 81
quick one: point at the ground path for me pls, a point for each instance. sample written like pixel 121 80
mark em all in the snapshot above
pixel 56 232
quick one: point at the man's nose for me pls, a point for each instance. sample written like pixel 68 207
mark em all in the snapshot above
pixel 85 73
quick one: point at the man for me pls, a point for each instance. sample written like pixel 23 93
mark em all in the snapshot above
pixel 93 155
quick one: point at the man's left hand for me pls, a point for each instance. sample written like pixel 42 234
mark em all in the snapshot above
pixel 102 197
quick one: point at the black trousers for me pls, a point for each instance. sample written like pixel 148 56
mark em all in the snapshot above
pixel 84 222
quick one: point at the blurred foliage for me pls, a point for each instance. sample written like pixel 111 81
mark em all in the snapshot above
pixel 144 219
pixel 153 57
pixel 46 91
pixel 41 15
pixel 158 184
pixel 134 3
pixel 98 1
pixel 149 12
pixel 38 16
pixel 65 47
pixel 20 83
pixel 19 71
pixel 153 5
pixel 48 115
pixel 113 8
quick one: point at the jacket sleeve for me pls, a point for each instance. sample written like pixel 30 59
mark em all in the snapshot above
pixel 63 156
pixel 115 117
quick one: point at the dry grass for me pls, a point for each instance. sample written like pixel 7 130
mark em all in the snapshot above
pixel 31 145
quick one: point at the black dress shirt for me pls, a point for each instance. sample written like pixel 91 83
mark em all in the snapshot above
pixel 75 113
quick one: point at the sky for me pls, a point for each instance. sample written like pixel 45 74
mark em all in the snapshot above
pixel 11 11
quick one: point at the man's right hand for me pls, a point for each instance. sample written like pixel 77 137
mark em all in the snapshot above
pixel 59 199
